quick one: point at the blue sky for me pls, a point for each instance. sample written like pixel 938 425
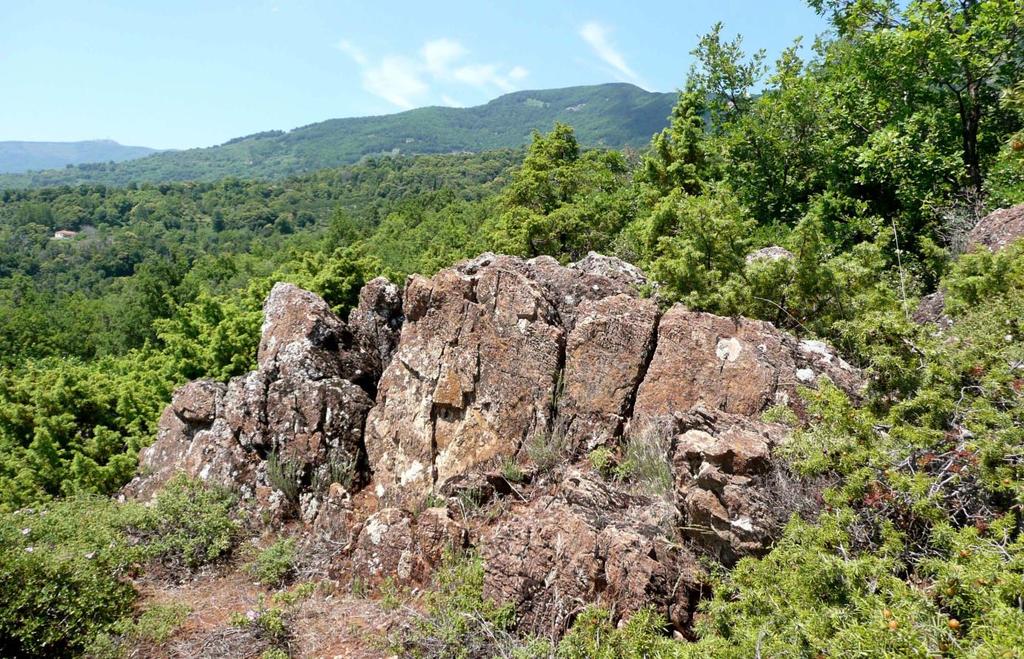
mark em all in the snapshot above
pixel 185 73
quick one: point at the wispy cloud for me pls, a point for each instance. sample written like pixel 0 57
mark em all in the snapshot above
pixel 405 81
pixel 596 35
pixel 395 80
pixel 353 51
pixel 451 102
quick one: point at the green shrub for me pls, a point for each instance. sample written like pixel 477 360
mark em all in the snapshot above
pixel 602 460
pixel 61 576
pixel 285 476
pixel 593 636
pixel 459 622
pixel 511 471
pixel 190 524
pixel 275 563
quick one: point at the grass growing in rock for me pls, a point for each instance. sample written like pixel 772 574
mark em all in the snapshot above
pixel 459 622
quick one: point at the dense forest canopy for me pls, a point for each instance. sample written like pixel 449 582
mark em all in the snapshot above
pixel 867 154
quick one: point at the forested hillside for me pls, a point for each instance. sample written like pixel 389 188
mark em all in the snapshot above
pixel 611 115
pixel 827 192
pixel 16 157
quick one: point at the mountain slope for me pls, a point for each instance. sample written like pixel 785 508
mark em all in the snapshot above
pixel 18 157
pixel 614 115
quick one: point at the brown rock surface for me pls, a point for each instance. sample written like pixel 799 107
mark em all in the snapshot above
pixel 998 229
pixel 394 543
pixel 300 405
pixel 301 336
pixel 191 439
pixel 733 495
pixel 606 356
pixel 473 377
pixel 375 325
pixel 588 543
pixel 739 366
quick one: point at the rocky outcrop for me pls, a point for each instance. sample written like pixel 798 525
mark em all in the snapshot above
pixel 434 391
pixel 476 370
pixel 589 543
pixel 998 229
pixel 302 406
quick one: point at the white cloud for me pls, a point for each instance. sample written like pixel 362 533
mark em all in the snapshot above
pixel 518 73
pixel 396 81
pixel 353 51
pixel 404 81
pixel 451 102
pixel 596 35
pixel 440 54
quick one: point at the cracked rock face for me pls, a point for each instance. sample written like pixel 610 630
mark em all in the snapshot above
pixel 475 373
pixel 606 357
pixel 588 543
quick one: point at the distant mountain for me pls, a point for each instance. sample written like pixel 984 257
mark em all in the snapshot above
pixel 18 157
pixel 613 115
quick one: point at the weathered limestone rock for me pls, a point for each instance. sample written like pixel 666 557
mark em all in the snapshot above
pixel 612 268
pixel 375 325
pixel 191 439
pixel 606 356
pixel 473 377
pixel 317 426
pixel 300 405
pixel 998 229
pixel 739 366
pixel 588 543
pixel 301 336
pixel 733 496
pixel 394 543
pixel 772 253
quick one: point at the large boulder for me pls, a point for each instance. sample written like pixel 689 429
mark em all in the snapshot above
pixel 588 543
pixel 998 229
pixel 736 365
pixel 301 337
pixel 606 354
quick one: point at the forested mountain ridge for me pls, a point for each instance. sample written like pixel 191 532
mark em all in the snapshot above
pixel 615 115
pixel 17 157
